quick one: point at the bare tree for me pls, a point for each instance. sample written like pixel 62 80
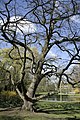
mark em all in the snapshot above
pixel 49 25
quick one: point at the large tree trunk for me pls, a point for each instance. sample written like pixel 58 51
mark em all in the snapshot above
pixel 27 101
pixel 29 97
pixel 33 86
pixel 27 105
pixel 31 93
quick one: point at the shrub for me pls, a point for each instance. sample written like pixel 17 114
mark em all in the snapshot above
pixel 10 99
pixel 9 93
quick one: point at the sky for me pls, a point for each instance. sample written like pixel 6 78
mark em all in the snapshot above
pixel 76 19
pixel 24 25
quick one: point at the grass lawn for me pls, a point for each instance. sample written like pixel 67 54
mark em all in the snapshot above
pixel 17 114
pixel 46 110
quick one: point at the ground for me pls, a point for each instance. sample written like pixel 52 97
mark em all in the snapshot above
pixel 10 109
pixel 18 114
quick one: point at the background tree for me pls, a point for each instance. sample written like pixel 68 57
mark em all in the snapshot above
pixel 5 62
pixel 46 86
pixel 48 25
pixel 75 75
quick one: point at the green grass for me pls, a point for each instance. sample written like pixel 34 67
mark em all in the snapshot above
pixel 45 110
pixel 24 115
pixel 17 114
pixel 46 105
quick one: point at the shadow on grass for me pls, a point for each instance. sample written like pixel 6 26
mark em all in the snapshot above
pixel 60 111
pixel 65 112
pixel 10 118
pixel 7 114
pixel 20 118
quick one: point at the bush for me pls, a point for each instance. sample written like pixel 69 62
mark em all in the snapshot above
pixel 9 93
pixel 10 99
